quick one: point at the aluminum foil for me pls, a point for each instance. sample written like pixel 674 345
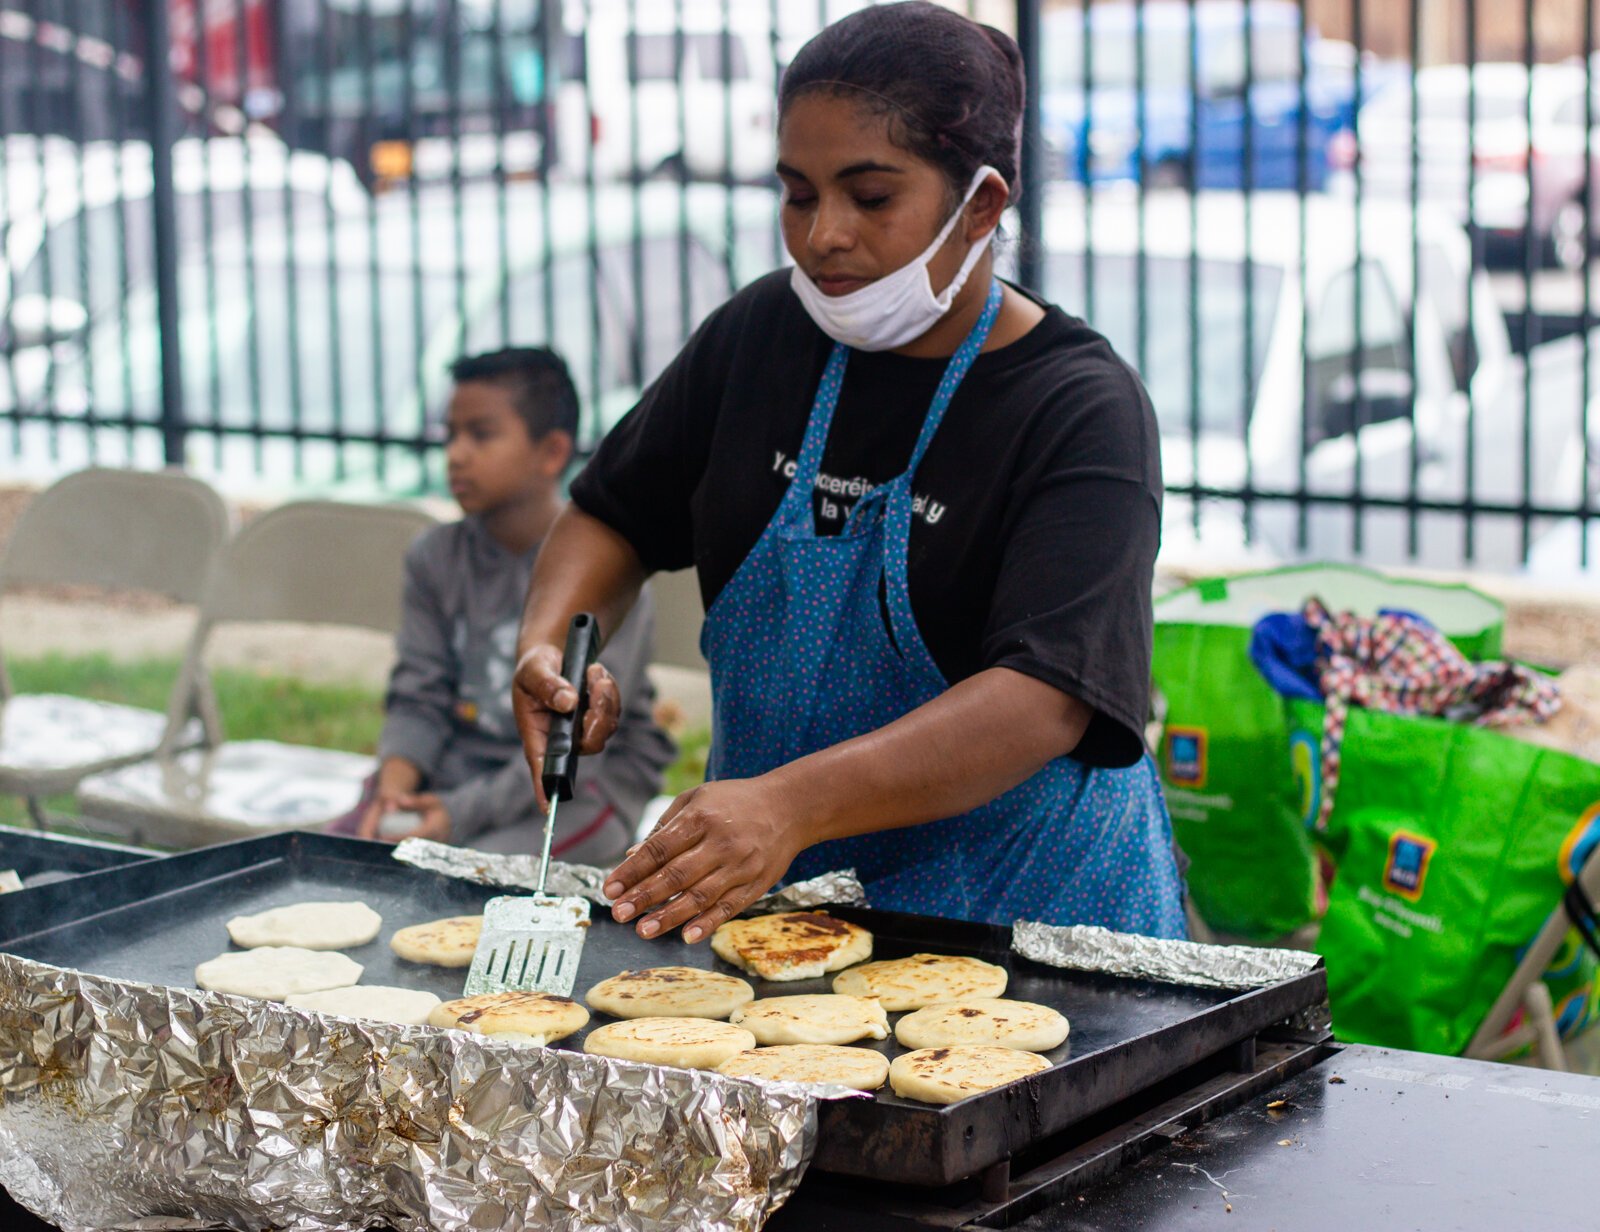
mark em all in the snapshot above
pixel 585 880
pixel 839 888
pixel 124 1105
pixel 513 871
pixel 1083 947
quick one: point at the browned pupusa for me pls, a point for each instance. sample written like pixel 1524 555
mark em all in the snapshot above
pixel 791 945
pixel 669 992
pixel 539 1014
pixel 945 1075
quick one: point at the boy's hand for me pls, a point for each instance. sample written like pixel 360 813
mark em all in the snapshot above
pixel 367 827
pixel 435 823
pixel 538 690
pixel 397 779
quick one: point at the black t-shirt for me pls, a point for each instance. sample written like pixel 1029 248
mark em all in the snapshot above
pixel 1038 504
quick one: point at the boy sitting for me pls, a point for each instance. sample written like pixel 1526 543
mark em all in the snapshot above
pixel 450 752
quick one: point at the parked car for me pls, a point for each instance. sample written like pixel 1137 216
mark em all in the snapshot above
pixel 1497 173
pixel 403 91
pixel 668 88
pixel 1566 553
pixel 1318 368
pixel 349 327
pixel 1165 92
pixel 94 202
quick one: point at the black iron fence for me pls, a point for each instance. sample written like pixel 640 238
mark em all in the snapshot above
pixel 1348 245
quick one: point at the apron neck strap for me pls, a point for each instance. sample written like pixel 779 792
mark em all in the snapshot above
pixel 954 372
pixel 827 399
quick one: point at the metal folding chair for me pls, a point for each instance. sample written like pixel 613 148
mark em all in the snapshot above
pixel 1526 989
pixel 313 562
pixel 679 615
pixel 122 530
pixel 677 668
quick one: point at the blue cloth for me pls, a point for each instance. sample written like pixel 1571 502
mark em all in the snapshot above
pixel 1283 646
pixel 813 642
pixel 1284 649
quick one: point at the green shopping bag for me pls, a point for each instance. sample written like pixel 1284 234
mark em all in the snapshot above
pixel 1236 808
pixel 1453 844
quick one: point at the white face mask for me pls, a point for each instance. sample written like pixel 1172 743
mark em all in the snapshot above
pixel 899 307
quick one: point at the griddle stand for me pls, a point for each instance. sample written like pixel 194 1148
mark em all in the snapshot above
pixel 1057 1169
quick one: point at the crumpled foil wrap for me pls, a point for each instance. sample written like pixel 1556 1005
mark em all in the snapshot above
pixel 124 1105
pixel 1085 947
pixel 585 880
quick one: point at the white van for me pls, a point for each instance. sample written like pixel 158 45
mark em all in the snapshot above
pixel 652 85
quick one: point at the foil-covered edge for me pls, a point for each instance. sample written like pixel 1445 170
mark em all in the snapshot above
pixel 841 888
pixel 520 872
pixel 1085 947
pixel 125 1104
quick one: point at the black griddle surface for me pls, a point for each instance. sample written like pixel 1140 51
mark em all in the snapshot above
pixel 30 852
pixel 1402 1140
pixel 156 926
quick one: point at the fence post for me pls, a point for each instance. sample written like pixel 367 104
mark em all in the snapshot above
pixel 162 114
pixel 1030 210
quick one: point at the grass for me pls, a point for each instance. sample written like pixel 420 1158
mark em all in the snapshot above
pixel 257 706
pixel 690 769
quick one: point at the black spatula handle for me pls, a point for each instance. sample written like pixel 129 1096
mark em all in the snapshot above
pixel 566 730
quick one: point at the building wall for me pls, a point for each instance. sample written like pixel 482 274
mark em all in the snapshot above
pixel 1498 26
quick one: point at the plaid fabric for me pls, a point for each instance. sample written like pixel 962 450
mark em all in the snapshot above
pixel 1401 665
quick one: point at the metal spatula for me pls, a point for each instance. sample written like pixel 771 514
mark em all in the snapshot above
pixel 532 943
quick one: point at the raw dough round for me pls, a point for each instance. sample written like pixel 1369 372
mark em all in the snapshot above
pixel 984 1020
pixel 945 1075
pixel 276 972
pixel 687 1043
pixel 922 979
pixel 540 1014
pixel 311 926
pixel 813 1018
pixel 861 1068
pixel 444 943
pixel 378 1002
pixel 791 945
pixel 669 992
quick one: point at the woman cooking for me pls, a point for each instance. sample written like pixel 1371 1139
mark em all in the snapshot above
pixel 924 508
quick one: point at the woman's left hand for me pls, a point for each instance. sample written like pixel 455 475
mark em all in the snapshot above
pixel 715 851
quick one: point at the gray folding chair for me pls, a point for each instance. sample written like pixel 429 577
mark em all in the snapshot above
pixel 679 615
pixel 1526 989
pixel 677 668
pixel 313 562
pixel 123 530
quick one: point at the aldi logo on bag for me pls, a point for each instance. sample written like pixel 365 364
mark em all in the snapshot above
pixel 1408 864
pixel 1305 763
pixel 1186 756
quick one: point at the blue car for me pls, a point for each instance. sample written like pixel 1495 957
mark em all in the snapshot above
pixel 1198 99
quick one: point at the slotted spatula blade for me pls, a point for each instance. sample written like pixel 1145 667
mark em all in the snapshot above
pixel 532 943
pixel 529 944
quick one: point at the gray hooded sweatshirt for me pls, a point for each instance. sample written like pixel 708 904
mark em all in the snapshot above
pixel 448 709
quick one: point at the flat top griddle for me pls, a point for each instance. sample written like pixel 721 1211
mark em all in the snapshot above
pixel 156 925
pixel 30 853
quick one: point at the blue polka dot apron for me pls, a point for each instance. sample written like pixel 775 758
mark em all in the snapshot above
pixel 801 659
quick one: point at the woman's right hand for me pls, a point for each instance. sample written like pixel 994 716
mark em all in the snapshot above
pixel 538 690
